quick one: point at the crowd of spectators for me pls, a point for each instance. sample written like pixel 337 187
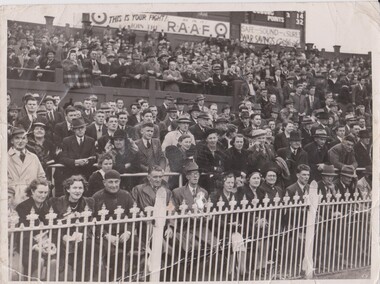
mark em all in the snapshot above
pixel 301 117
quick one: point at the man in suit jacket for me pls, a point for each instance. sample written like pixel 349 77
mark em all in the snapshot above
pixel 362 149
pixel 97 129
pixel 117 70
pixel 360 94
pixel 281 140
pixel 317 152
pixel 191 191
pixel 326 185
pixel 301 186
pixel 294 156
pixel 163 109
pixel 199 129
pixel 87 113
pixel 312 101
pixel 78 151
pixel 347 181
pixel 147 117
pixel 247 89
pixel 343 153
pixel 64 129
pixel 135 117
pixel 53 116
pixel 49 63
pixel 299 101
pixel 94 67
pixel 149 149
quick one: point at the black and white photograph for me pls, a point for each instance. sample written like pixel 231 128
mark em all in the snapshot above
pixel 187 143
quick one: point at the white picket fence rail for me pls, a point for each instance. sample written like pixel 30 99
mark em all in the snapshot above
pixel 282 239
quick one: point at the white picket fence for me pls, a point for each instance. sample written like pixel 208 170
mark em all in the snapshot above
pixel 244 242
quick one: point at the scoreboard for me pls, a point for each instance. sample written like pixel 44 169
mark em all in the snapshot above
pixel 284 28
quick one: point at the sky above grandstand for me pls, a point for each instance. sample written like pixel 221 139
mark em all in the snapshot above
pixel 347 24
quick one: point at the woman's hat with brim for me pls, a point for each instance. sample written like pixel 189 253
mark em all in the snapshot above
pixel 18 131
pixel 285 173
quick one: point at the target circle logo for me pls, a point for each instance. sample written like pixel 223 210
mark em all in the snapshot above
pixel 221 29
pixel 99 18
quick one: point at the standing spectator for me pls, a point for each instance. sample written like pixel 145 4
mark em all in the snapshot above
pixel 97 129
pixel 78 151
pixel 64 129
pixel 162 109
pixel 317 152
pixel 172 137
pixel 199 129
pixel 294 155
pixel 281 140
pixel 95 182
pixel 362 149
pixel 134 118
pixel 210 157
pixel 23 166
pixel 326 185
pixel 150 152
pixel 136 74
pixel 172 77
pixel 147 117
pixel 49 63
pixel 237 157
pixel 360 93
pixel 300 101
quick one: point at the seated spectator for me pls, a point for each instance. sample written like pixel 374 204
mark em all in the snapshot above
pixel 347 181
pixel 343 153
pixel 147 117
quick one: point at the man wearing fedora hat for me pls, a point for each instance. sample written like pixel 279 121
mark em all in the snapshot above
pixel 171 138
pixel 294 155
pixel 317 152
pixel 194 112
pixel 78 151
pixel 363 149
pixel 200 101
pixel 23 165
pixel 347 181
pixel 326 184
pixel 180 105
pixel 49 63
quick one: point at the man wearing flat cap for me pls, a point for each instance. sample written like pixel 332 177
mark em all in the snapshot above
pixel 171 138
pixel 23 165
pixel 363 149
pixel 260 153
pixel 317 152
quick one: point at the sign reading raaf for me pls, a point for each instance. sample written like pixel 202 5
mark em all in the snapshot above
pixel 169 24
pixel 270 35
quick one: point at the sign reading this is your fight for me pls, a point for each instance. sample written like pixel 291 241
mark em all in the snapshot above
pixel 167 23
pixel 270 35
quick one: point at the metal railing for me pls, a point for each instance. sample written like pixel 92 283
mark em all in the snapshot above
pixel 254 240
